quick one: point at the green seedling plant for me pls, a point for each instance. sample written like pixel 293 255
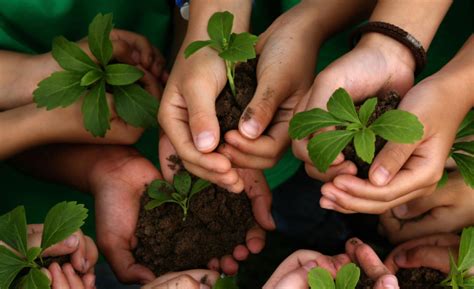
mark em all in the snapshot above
pixel 462 152
pixel 180 192
pixel 347 278
pixel 394 125
pixel 82 76
pixel 20 266
pixel 225 282
pixel 232 48
pixel 458 276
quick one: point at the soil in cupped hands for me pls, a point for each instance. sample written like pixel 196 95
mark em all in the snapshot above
pixel 418 278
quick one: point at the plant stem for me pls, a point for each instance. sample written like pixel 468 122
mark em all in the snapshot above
pixel 230 67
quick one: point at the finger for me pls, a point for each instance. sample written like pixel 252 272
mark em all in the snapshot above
pixel 327 204
pixel 66 247
pixel 179 282
pixel 351 246
pixel 92 254
pixel 124 53
pixel 159 63
pixel 387 281
pixel 228 265
pixel 79 257
pixel 73 279
pixel 240 253
pixel 230 181
pixel 297 279
pixel 138 42
pixel 344 168
pixel 242 160
pixel 59 280
pixel 89 281
pixel 422 204
pixel 436 257
pixel 370 262
pixel 209 277
pixel 213 264
pixel 255 240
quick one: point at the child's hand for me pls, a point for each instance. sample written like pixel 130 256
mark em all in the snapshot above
pixel 447 210
pixel 191 279
pixel 66 278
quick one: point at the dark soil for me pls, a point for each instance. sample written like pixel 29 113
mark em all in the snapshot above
pixel 420 278
pixel 61 260
pixel 385 103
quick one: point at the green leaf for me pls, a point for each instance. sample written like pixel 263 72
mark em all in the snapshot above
pixel 466 249
pixel 465 165
pixel 348 276
pixel 13 230
pixel 467 126
pixel 136 106
pixel 195 46
pixel 95 110
pixel 444 179
pixel 199 186
pixel 225 283
pixel 61 221
pixel 158 187
pixel 177 197
pixel 35 279
pixel 340 105
pixel 324 147
pixel 33 253
pixel 355 126
pixel 122 74
pixel 241 48
pixel 398 126
pixel 91 77
pixel 219 27
pixel 319 278
pixel 465 146
pixel 156 203
pixel 71 57
pixel 61 89
pixel 307 122
pixel 10 266
pixel 469 282
pixel 182 183
pixel 99 37
pixel 367 109
pixel 364 142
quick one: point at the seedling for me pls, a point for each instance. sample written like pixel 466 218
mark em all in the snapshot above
pixel 462 152
pixel 458 276
pixel 225 282
pixel 21 268
pixel 347 278
pixel 84 77
pixel 179 193
pixel 232 48
pixel 394 125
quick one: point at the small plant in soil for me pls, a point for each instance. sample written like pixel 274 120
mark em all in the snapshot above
pixel 21 268
pixel 458 276
pixel 346 278
pixel 357 126
pixel 232 48
pixel 180 192
pixel 82 76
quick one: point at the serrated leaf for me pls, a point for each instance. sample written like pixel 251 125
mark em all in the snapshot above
pixel 195 46
pixel 225 283
pixel 364 143
pixel 466 249
pixel 35 279
pixel 465 165
pixel 324 147
pixel 466 146
pixel 199 186
pixel 348 276
pixel 71 57
pixel 467 126
pixel 62 221
pixel 95 110
pixel 367 109
pixel 307 122
pixel 13 231
pixel 33 253
pixel 398 126
pixel 158 187
pixel 10 266
pixel 340 105
pixel 444 179
pixel 219 27
pixel 319 278
pixel 182 183
pixel 99 37
pixel 91 77
pixel 136 106
pixel 241 48
pixel 61 89
pixel 122 74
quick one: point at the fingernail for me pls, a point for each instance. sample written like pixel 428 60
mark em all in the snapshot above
pixel 330 196
pixel 400 258
pixel 205 140
pixel 390 282
pixel 381 176
pixel 310 265
pixel 204 286
pixel 400 211
pixel 251 128
pixel 92 282
pixel 72 241
pixel 328 205
pixel 136 57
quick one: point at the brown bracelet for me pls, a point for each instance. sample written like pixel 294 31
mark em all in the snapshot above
pixel 396 33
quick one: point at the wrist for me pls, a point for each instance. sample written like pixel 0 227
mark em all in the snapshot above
pixel 39 67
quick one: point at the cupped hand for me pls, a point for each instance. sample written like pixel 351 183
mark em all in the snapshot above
pixel 447 210
pixel 191 279
pixel 64 277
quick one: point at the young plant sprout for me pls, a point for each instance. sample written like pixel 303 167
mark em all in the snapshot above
pixel 394 125
pixel 61 221
pixel 179 193
pixel 225 282
pixel 232 48
pixel 458 276
pixel 84 77
pixel 347 278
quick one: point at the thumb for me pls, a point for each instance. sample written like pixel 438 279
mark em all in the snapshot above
pixel 295 279
pixel 417 207
pixel 431 256
pixel 387 282
pixel 63 248
pixel 388 162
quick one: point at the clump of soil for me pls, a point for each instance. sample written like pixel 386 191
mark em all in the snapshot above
pixel 385 103
pixel 419 278
pixel 61 260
